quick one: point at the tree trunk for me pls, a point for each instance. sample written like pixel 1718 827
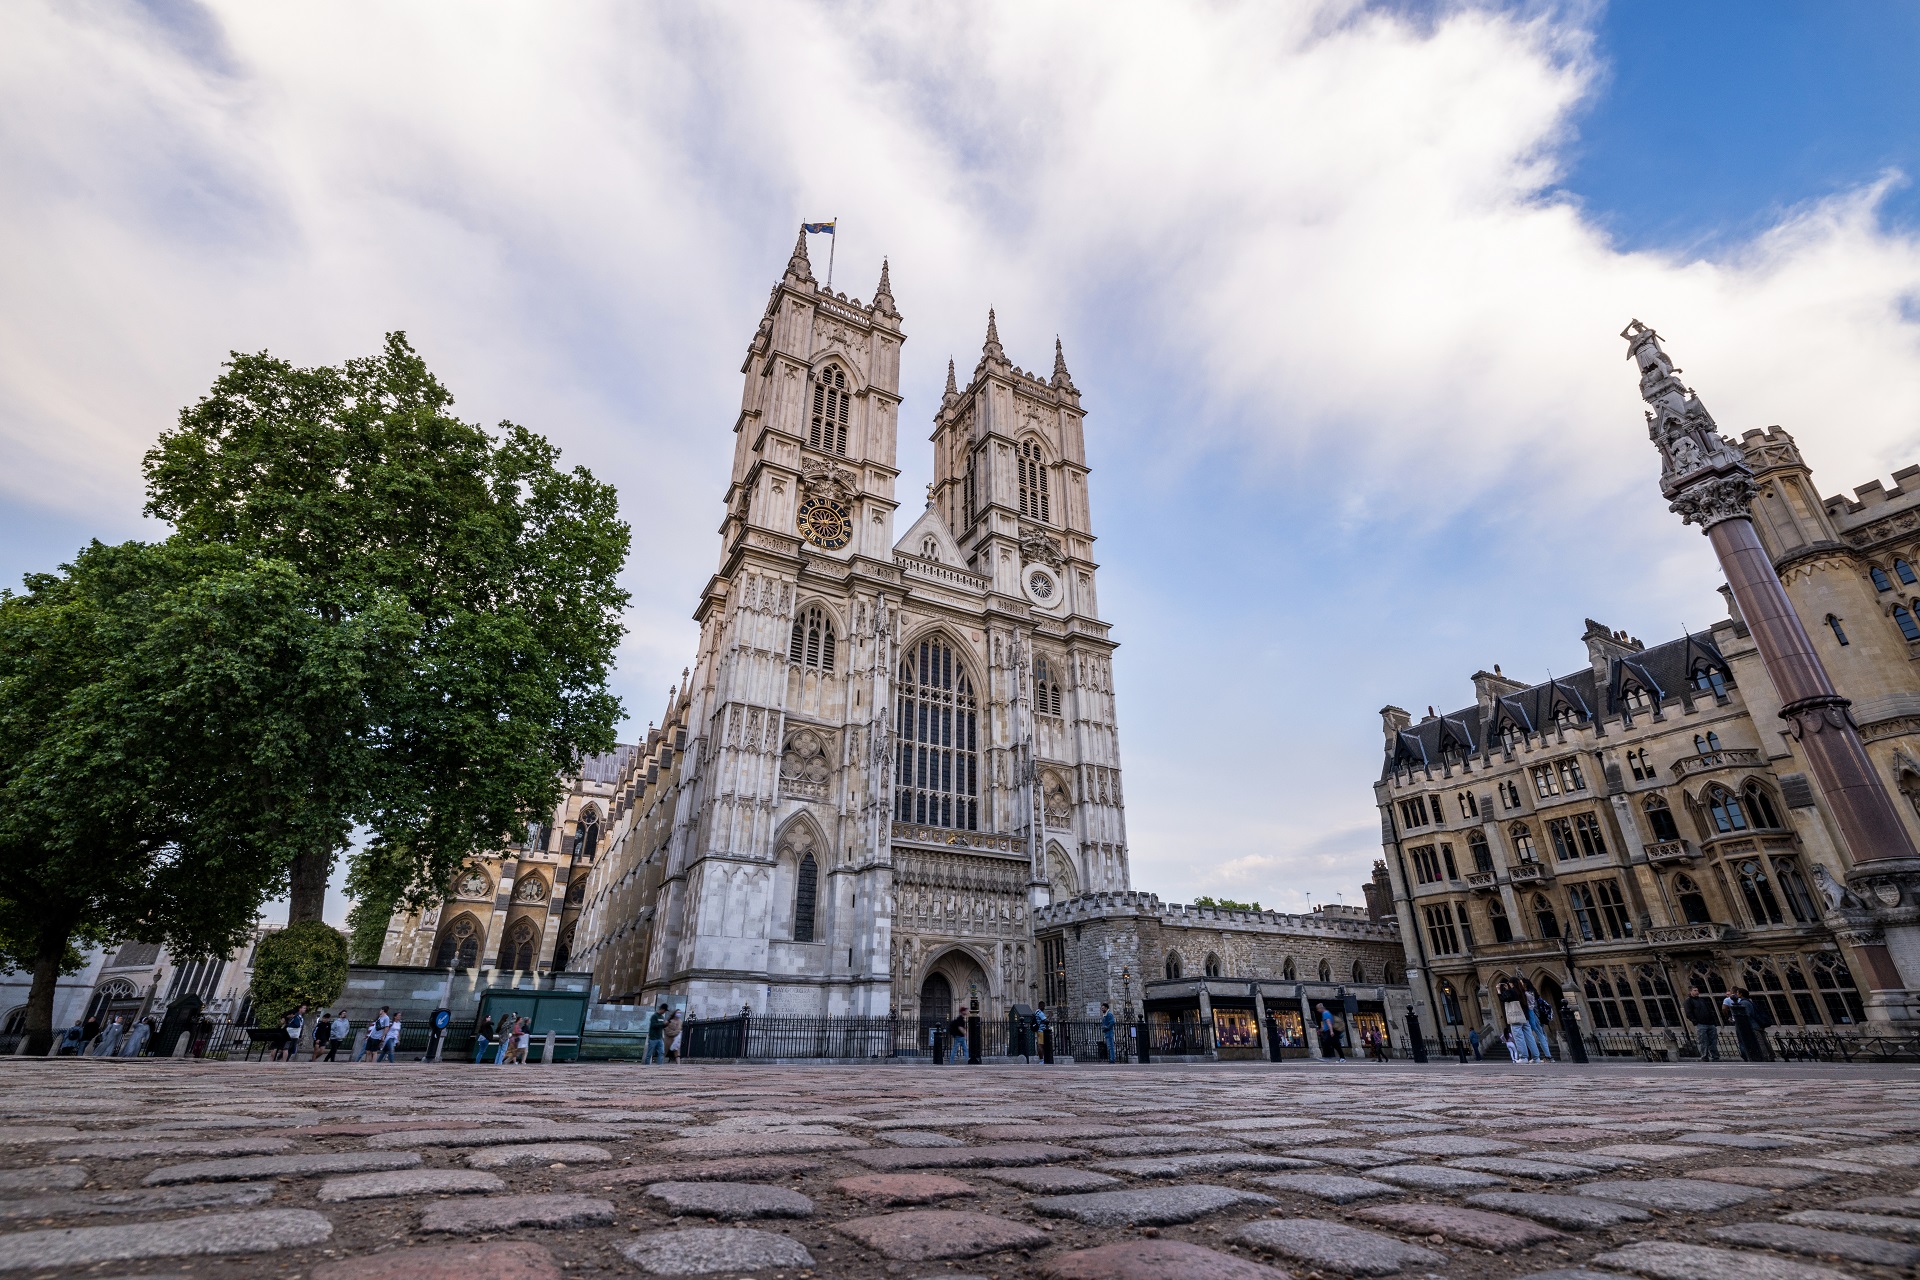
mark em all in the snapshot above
pixel 52 949
pixel 307 899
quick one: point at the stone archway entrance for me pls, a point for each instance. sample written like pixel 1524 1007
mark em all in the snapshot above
pixel 956 983
pixel 936 1000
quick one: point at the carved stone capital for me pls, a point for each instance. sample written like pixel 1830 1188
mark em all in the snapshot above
pixel 1822 714
pixel 1708 502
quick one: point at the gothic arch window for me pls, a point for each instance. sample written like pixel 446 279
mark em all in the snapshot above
pixel 1565 716
pixel 1544 918
pixel 1211 966
pixel 812 642
pixel 1760 807
pixel 1046 689
pixel 1359 972
pixel 1839 632
pixel 1837 989
pixel 1326 971
pixel 1392 974
pixel 586 836
pixel 459 946
pixel 827 429
pixel 1035 502
pixel 1660 819
pixel 806 893
pixel 1634 698
pixel 1497 918
pixel 1904 571
pixel 1289 971
pixel 1881 582
pixel 1522 840
pixel 1477 849
pixel 1509 735
pixel 1708 678
pixel 1757 891
pixel 930 547
pixel 1724 807
pixel 1904 620
pixel 967 493
pixel 937 776
pixel 563 949
pixel 1173 965
pixel 1794 886
pixel 1693 904
pixel 517 949
pixel 1586 914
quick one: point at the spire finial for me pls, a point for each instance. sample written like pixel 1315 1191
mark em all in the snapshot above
pixel 953 388
pixel 1062 380
pixel 798 265
pixel 992 345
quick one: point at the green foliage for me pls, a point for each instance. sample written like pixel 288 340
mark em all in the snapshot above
pixel 379 879
pixel 491 571
pixel 304 963
pixel 158 708
pixel 1226 904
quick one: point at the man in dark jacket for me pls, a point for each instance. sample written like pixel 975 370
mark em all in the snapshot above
pixel 1706 1024
pixel 957 1031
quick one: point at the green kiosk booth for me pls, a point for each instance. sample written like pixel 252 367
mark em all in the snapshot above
pixel 564 1013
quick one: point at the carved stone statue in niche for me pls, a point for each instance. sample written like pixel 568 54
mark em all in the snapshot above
pixel 1057 800
pixel 805 766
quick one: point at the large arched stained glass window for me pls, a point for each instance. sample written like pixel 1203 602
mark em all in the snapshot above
pixel 936 780
pixel 827 429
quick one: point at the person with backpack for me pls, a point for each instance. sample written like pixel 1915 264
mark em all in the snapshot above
pixel 482 1034
pixel 1539 1014
pixel 341 1033
pixel 656 1038
pixel 1706 1024
pixel 957 1033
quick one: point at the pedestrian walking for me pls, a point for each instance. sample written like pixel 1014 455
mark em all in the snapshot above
pixel 1747 1025
pixel 341 1032
pixel 1706 1024
pixel 481 1035
pixel 1539 1014
pixel 1514 1009
pixel 1473 1042
pixel 957 1032
pixel 1329 1034
pixel 521 1031
pixel 656 1037
pixel 674 1027
pixel 377 1034
pixel 296 1028
pixel 137 1039
pixel 322 1029
pixel 1106 1028
pixel 389 1040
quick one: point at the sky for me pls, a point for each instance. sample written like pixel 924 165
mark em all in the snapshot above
pixel 1340 283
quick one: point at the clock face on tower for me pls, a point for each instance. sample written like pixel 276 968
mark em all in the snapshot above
pixel 826 523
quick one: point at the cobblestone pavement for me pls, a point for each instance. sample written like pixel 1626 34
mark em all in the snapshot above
pixel 1240 1172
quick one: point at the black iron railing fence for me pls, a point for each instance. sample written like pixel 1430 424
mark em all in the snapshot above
pixel 753 1038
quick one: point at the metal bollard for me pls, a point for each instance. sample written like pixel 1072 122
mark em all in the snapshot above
pixel 184 1045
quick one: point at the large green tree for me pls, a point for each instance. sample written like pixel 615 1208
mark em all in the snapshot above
pixel 361 480
pixel 161 710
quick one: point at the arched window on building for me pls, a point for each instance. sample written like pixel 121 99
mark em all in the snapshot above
pixel 1566 717
pixel 806 893
pixel 967 494
pixel 1497 919
pixel 1757 891
pixel 1839 632
pixel 1904 620
pixel 1837 989
pixel 1543 917
pixel 1794 887
pixel 1725 809
pixel 1173 965
pixel 1392 974
pixel 1708 678
pixel 1586 915
pixel 1693 904
pixel 1046 688
pixel 1881 582
pixel 1760 807
pixel 518 948
pixel 1477 849
pixel 1763 983
pixel 1656 997
pixel 459 944
pixel 1634 699
pixel 1326 971
pixel 1035 502
pixel 827 429
pixel 1289 971
pixel 563 949
pixel 1359 972
pixel 812 642
pixel 1904 571
pixel 1211 966
pixel 937 775
pixel 586 836
pixel 1660 819
pixel 1522 840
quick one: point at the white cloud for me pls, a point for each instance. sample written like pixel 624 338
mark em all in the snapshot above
pixel 1317 246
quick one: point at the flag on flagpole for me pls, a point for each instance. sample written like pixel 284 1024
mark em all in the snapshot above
pixel 818 228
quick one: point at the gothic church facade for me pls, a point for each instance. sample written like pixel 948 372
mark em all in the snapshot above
pixel 892 749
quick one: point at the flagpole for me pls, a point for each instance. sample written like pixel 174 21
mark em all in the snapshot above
pixel 833 243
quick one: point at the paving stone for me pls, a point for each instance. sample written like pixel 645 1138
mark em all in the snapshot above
pixel 1055 1178
pixel 1827 1164
pixel 700 1251
pixel 47 1177
pixel 921 1138
pixel 1435 1177
pixel 739 1169
pixel 1654 1151
pixel 1840 1220
pixel 408 1182
pixel 922 1235
pixel 1202 1162
pixel 909 1188
pixel 1585 1159
pixel 1539 1170
pixel 539 1153
pixel 1469 1226
pixel 1573 1213
pixel 1820 1244
pixel 1561 1133
pixel 1674 1194
pixel 282 1167
pixel 1907 1205
pixel 1005 1153
pixel 1669 1260
pixel 1155 1260
pixel 1351 1157
pixel 1450 1144
pixel 174 1147
pixel 1772 1177
pixel 19 1135
pixel 504 1213
pixel 95 1203
pixel 1570 1273
pixel 1742 1141
pixel 730 1201
pixel 759 1144
pixel 1303 1137
pixel 498 1260
pixel 498 1135
pixel 1047 1132
pixel 1892 1156
pixel 1147 1206
pixel 1328 1186
pixel 261 1231
pixel 1162 1146
pixel 1247 1123
pixel 1336 1247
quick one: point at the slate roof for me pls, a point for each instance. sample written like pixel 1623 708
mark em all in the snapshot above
pixel 1664 671
pixel 606 768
